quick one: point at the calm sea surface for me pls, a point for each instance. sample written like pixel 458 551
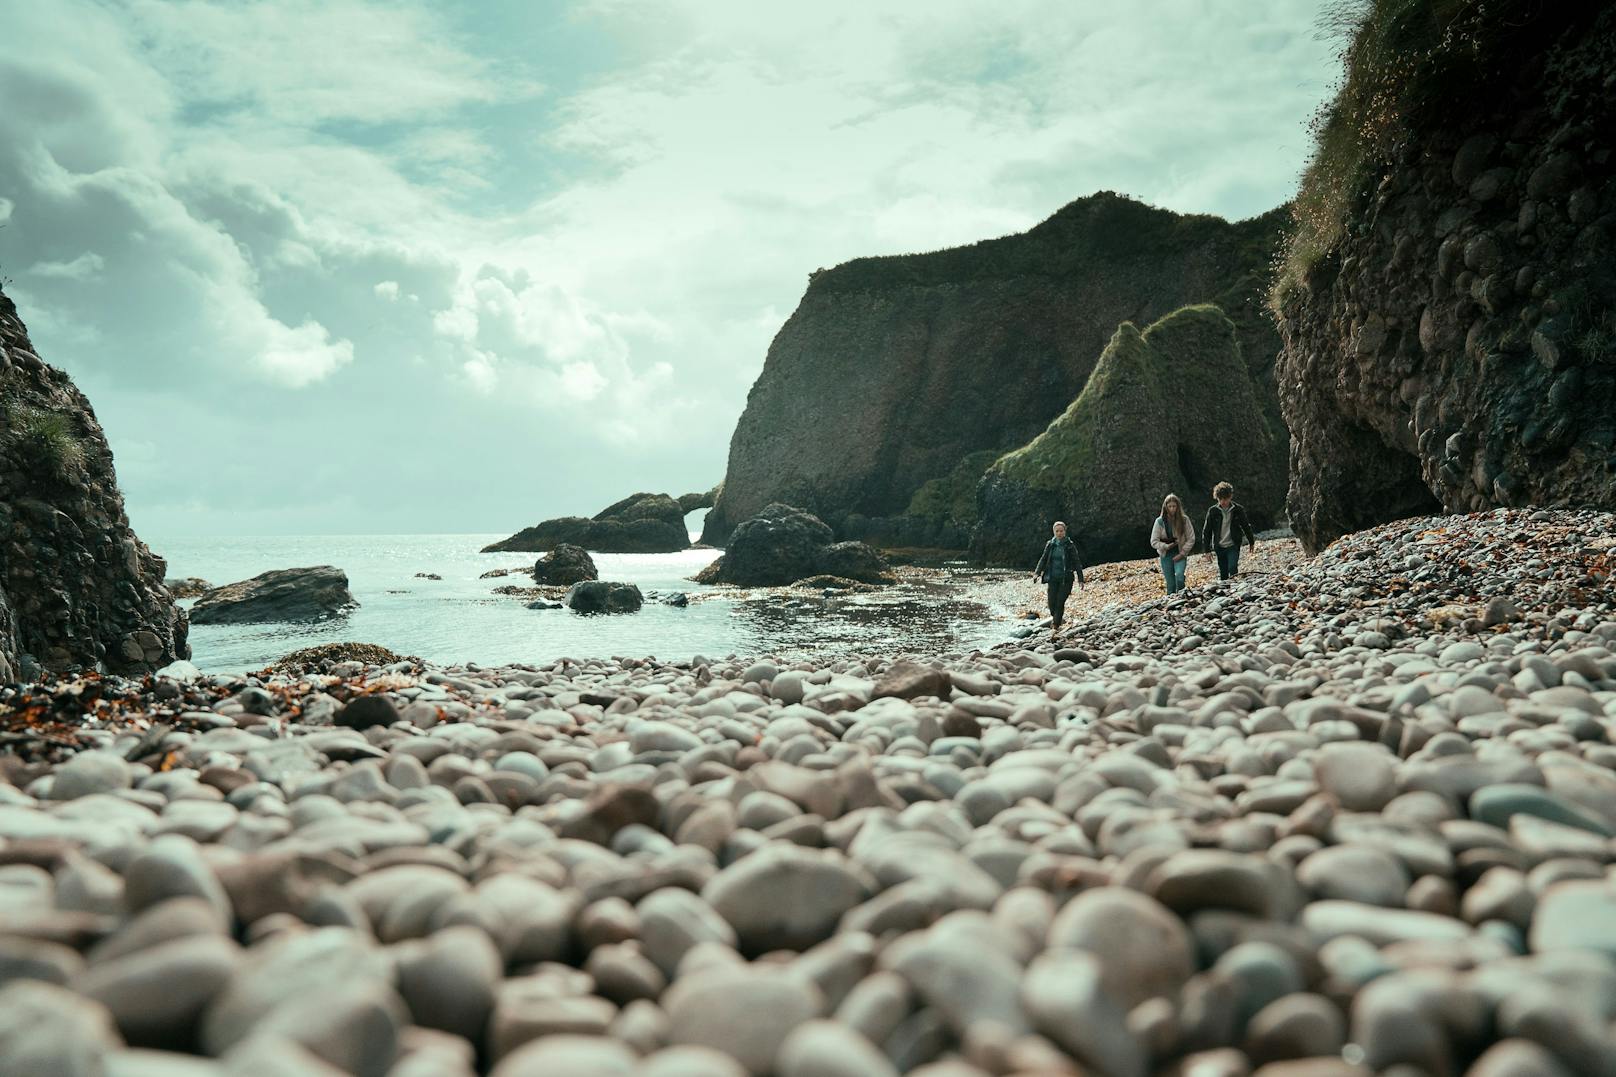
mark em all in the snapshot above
pixel 460 619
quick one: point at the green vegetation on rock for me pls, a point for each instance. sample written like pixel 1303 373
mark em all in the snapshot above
pixel 951 499
pixel 1169 409
pixel 894 371
pixel 46 439
pixel 1445 298
pixel 1139 379
pixel 1407 64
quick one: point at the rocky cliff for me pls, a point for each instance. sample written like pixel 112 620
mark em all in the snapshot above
pixel 1448 303
pixel 77 587
pixel 893 371
pixel 1172 409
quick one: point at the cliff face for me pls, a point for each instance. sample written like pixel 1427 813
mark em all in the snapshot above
pixel 1168 410
pixel 892 371
pixel 1449 304
pixel 77 588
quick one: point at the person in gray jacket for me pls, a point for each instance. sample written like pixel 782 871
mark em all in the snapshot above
pixel 1172 536
pixel 1058 566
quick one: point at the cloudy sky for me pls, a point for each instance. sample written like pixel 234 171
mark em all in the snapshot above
pixel 349 266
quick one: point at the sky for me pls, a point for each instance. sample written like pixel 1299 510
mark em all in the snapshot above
pixel 343 266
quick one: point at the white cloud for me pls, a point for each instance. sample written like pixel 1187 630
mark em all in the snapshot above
pixel 85 266
pixel 380 219
pixel 582 381
pixel 300 356
pixel 302 63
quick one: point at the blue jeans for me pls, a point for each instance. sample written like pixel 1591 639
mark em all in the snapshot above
pixel 1228 561
pixel 1173 573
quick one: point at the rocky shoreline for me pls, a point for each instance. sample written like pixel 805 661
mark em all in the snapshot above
pixel 1353 817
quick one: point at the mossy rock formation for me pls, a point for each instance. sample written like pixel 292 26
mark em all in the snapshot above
pixel 77 587
pixel 1168 410
pixel 892 372
pixel 640 523
pixel 1446 300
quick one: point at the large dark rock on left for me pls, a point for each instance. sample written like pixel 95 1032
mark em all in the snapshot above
pixel 782 544
pixel 287 594
pixel 641 523
pixel 77 587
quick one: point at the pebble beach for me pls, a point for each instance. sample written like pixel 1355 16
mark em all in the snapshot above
pixel 1344 815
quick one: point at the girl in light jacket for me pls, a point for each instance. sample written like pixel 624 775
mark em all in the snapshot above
pixel 1173 537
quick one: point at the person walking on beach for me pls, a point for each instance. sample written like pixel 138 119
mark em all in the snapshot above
pixel 1173 537
pixel 1226 523
pixel 1058 566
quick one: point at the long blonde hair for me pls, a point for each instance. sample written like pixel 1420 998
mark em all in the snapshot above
pixel 1181 525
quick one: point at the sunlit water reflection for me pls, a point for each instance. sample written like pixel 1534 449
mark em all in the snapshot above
pixel 460 619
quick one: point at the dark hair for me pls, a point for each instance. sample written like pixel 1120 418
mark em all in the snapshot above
pixel 1222 490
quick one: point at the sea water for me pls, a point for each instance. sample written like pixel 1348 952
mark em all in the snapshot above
pixel 460 619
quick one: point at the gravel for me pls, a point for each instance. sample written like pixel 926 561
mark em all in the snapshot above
pixel 1349 814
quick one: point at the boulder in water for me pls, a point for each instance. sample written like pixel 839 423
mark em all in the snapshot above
pixel 287 594
pixel 782 544
pixel 604 596
pixel 566 564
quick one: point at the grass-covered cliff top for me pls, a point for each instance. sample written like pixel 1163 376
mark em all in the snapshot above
pixel 1407 67
pixel 1190 355
pixel 1104 226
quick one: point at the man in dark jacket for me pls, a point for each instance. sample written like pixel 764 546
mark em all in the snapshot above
pixel 1058 566
pixel 1226 524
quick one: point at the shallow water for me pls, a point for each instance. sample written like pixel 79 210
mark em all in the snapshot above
pixel 460 619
